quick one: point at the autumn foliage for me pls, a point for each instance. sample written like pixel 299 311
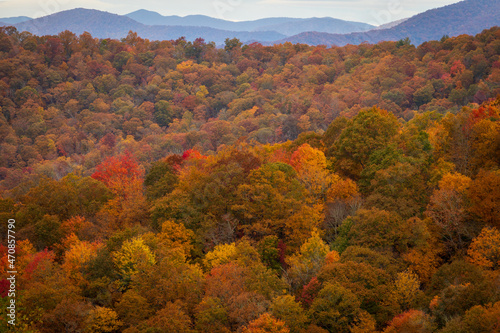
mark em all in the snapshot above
pixel 173 186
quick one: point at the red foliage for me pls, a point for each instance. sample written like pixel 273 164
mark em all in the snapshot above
pixel 4 287
pixel 38 258
pixel 109 140
pixel 118 169
pixel 476 115
pixel 310 291
pixel 189 102
pixel 192 154
pixel 175 161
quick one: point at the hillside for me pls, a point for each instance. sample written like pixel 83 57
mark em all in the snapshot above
pixel 14 20
pixel 325 24
pixel 172 186
pixel 466 17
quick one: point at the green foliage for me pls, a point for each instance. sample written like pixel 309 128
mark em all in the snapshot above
pixel 335 309
pixel 286 308
pixel 133 257
pixel 370 130
pixel 307 263
pixel 160 180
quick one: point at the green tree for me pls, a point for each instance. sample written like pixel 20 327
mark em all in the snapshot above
pixel 370 130
pixel 335 308
pixel 287 309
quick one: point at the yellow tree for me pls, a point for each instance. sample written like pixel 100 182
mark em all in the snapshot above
pixel 311 167
pixel 484 195
pixel 307 263
pixel 133 257
pixel 272 202
pixel 406 288
pixel 78 254
pixel 342 200
pixel 101 320
pixel 484 250
pixel 287 309
pixel 266 323
pixel 447 209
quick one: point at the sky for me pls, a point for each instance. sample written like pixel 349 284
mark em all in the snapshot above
pixel 374 12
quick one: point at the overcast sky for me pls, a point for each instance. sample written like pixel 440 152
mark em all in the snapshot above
pixel 374 12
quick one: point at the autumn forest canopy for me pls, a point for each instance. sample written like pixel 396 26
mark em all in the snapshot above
pixel 173 186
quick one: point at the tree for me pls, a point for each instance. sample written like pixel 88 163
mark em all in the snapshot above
pixel 102 320
pixel 307 263
pixel 268 187
pixel 174 279
pixel 221 254
pixel 484 195
pixel 370 283
pixel 411 321
pixel 132 308
pixel 406 288
pixel 160 180
pixel 175 236
pixel 117 173
pixel 287 309
pixel 342 200
pixel 124 177
pixel 133 257
pixel 484 251
pixel 79 254
pixel 171 319
pixel 311 167
pixel 211 316
pixel 370 130
pixel 458 286
pixel 335 309
pixel 482 318
pixel 70 196
pixel 381 230
pixel 447 209
pixel 266 323
pixel 163 113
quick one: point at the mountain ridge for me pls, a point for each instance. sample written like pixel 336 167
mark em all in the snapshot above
pixel 102 24
pixel 278 24
pixel 465 17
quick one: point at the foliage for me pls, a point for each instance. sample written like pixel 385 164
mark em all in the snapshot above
pixel 173 186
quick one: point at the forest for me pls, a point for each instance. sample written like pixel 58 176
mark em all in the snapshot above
pixel 173 186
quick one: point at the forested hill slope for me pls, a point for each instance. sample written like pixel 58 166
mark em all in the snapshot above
pixel 465 17
pixel 172 186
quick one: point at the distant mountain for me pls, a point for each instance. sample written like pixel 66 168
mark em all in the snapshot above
pixel 98 23
pixel 324 24
pixel 391 24
pixel 153 18
pixel 14 20
pixel 106 25
pixel 283 25
pixel 466 17
pixel 161 32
